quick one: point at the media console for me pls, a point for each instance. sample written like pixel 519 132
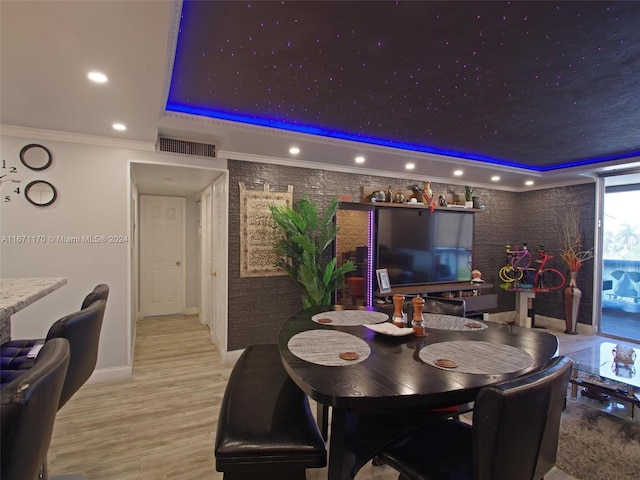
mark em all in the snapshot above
pixel 474 303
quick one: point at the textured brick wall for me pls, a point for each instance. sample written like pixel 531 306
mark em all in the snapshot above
pixel 259 306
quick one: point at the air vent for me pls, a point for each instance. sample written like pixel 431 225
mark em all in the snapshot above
pixel 186 147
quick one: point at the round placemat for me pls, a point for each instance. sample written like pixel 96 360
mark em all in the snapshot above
pixel 476 357
pixel 451 322
pixel 350 318
pixel 329 347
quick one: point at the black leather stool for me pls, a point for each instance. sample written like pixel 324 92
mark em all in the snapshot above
pixel 265 426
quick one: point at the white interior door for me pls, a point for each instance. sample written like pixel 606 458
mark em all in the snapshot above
pixel 219 262
pixel 206 264
pixel 162 253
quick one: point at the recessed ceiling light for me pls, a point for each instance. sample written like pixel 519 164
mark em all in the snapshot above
pixel 97 77
pixel 495 178
pixel 457 173
pixel 294 150
pixel 119 126
pixel 528 183
pixel 410 166
pixel 360 159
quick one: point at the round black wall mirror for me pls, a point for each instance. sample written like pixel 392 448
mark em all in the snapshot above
pixel 36 157
pixel 40 193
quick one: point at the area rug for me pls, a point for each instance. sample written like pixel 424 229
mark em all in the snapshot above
pixel 596 445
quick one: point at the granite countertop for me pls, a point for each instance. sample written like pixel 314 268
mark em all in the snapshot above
pixel 18 293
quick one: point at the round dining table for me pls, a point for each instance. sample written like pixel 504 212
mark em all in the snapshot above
pixel 382 382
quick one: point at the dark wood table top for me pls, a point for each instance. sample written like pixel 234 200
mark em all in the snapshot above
pixel 392 391
pixel 394 375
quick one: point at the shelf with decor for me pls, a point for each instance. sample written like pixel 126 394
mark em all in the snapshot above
pixel 478 302
pixel 454 202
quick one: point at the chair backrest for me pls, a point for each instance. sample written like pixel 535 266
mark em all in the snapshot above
pixel 100 292
pixel 445 306
pixel 516 424
pixel 82 330
pixel 29 407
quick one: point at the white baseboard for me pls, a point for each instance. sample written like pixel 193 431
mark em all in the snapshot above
pixel 191 311
pixel 560 325
pixel 230 358
pixel 542 321
pixel 111 374
pixel 500 317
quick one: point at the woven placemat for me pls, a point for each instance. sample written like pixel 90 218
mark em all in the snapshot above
pixel 476 357
pixel 451 322
pixel 329 347
pixel 350 318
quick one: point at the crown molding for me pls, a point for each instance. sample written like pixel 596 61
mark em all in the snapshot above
pixel 59 136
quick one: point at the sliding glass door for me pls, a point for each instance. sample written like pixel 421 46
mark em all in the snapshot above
pixel 620 265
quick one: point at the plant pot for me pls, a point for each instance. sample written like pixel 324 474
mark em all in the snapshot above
pixel 468 204
pixel 572 296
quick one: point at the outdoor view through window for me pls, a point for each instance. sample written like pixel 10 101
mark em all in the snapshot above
pixel 621 262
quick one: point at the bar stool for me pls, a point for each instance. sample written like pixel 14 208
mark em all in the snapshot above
pixel 29 407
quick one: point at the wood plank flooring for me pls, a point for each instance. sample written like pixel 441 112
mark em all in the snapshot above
pixel 161 423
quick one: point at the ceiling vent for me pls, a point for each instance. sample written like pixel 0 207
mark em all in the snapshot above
pixel 186 147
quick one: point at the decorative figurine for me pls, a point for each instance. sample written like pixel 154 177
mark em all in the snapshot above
pixel 476 276
pixel 427 195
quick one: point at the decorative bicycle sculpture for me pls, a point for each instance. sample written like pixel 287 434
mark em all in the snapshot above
pixel 517 273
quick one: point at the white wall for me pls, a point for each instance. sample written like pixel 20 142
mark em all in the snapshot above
pixel 93 200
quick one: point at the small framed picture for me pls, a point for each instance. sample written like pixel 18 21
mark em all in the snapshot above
pixel 383 280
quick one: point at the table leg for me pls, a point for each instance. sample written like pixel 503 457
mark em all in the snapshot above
pixel 522 308
pixel 340 457
pixel 322 419
pixel 574 386
pixel 357 437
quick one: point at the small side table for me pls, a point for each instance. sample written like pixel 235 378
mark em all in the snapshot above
pixel 605 377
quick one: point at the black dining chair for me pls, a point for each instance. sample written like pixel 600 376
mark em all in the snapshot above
pixel 514 434
pixel 29 407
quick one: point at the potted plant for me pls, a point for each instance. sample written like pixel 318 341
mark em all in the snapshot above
pixel 468 196
pixel 303 249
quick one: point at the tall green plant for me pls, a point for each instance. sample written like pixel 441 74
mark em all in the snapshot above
pixel 303 249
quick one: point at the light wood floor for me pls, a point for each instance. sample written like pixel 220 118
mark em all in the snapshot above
pixel 161 423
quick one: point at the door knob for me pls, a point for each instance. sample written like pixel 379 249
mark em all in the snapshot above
pixel 178 263
pixel 213 274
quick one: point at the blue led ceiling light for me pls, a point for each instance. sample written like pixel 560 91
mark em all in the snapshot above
pixel 532 85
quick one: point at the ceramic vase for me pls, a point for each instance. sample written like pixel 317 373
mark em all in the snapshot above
pixel 572 296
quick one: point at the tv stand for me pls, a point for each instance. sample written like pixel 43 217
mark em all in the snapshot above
pixel 479 303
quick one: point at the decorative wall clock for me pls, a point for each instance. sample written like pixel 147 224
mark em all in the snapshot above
pixel 38 192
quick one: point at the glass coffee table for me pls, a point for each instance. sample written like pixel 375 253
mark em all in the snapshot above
pixel 603 375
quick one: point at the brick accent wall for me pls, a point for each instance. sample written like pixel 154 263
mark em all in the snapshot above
pixel 258 307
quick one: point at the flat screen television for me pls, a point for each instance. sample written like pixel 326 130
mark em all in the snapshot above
pixel 418 247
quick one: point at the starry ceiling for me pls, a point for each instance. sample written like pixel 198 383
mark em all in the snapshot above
pixel 536 85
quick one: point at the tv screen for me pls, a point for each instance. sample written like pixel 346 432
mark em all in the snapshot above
pixel 420 247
